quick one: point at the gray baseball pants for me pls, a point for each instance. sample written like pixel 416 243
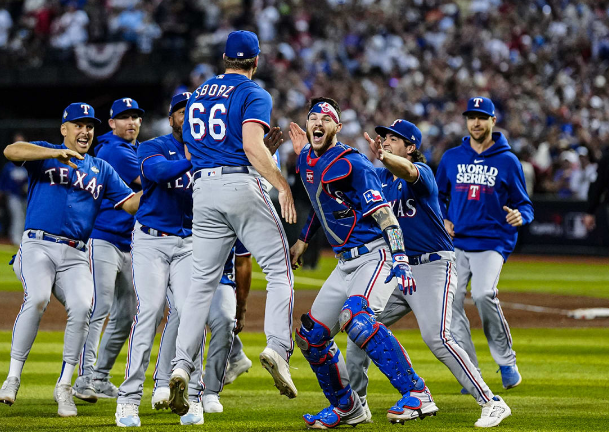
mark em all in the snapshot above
pixel 483 269
pixel 432 305
pixel 44 268
pixel 113 294
pixel 226 207
pixel 159 264
pixel 221 322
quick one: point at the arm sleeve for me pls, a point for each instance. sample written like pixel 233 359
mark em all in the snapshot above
pixel 240 250
pixel 443 188
pixel 123 160
pixel 367 185
pixel 310 227
pixel 600 186
pixel 115 188
pixel 160 170
pixel 518 195
pixel 258 107
pixel 424 185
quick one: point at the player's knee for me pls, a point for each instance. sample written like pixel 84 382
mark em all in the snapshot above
pixel 38 301
pixel 357 319
pixel 313 339
pixel 482 296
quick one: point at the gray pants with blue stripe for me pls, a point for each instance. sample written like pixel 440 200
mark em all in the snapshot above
pixel 221 322
pixel 432 305
pixel 114 295
pixel 159 264
pixel 483 269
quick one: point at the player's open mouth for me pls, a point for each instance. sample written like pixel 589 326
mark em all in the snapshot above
pixel 318 136
pixel 387 149
pixel 83 141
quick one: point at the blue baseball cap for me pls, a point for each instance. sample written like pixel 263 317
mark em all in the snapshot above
pixel 178 100
pixel 242 44
pixel 79 111
pixel 403 129
pixel 480 105
pixel 125 104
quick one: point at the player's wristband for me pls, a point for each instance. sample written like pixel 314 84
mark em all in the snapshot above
pixel 394 238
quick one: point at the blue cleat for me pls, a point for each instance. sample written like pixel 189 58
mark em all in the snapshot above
pixel 331 416
pixel 413 405
pixel 510 376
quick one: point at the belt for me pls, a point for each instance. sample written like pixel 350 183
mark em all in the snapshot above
pixel 429 257
pixel 218 171
pixel 157 233
pixel 352 253
pixel 76 244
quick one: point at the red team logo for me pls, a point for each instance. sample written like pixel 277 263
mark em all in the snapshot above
pixel 309 176
pixel 474 192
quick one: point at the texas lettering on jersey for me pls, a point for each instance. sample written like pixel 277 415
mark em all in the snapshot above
pixel 403 208
pixel 477 174
pixel 179 182
pixel 59 176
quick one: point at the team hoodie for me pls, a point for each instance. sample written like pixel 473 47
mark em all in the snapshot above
pixel 473 188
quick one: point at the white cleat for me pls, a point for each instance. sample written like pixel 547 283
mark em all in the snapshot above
pixel 280 371
pixel 9 390
pixel 237 368
pixel 367 411
pixel 127 415
pixel 493 413
pixel 211 404
pixel 178 390
pixel 416 404
pixel 65 402
pixel 194 416
pixel 160 398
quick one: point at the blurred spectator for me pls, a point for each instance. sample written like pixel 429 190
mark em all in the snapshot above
pixel 584 175
pixel 14 185
pixel 6 22
pixel 70 28
pixel 598 192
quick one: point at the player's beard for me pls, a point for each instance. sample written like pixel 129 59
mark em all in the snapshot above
pixel 482 137
pixel 326 144
pixel 177 129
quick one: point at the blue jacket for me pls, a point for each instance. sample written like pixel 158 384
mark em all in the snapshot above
pixel 112 225
pixel 477 186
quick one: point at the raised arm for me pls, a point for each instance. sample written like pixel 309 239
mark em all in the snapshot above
pixel 24 151
pixel 398 166
pixel 260 158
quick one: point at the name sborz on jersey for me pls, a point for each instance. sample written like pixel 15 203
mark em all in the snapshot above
pixel 214 91
pixel 60 176
pixel 477 174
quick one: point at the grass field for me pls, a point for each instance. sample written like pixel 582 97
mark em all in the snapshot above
pixel 565 373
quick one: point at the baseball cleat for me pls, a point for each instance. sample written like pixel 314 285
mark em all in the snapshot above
pixel 331 416
pixel 367 411
pixel 413 405
pixel 83 389
pixel 237 368
pixel 127 415
pixel 211 404
pixel 65 402
pixel 194 415
pixel 178 385
pixel 493 413
pixel 104 388
pixel 510 376
pixel 280 371
pixel 9 390
pixel 160 398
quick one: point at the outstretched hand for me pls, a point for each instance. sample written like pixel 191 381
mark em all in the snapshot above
pixel 64 156
pixel 376 146
pixel 273 139
pixel 298 137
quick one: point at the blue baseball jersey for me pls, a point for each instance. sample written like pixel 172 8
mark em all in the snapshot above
pixel 344 190
pixel 214 117
pixel 166 204
pixel 14 180
pixel 65 201
pixel 473 188
pixel 417 209
pixel 228 275
pixel 115 226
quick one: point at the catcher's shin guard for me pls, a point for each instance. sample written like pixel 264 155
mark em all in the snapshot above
pixel 325 359
pixel 357 319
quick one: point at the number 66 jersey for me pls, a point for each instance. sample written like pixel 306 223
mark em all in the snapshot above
pixel 214 117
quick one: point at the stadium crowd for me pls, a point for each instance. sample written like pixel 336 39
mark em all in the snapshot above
pixel 543 62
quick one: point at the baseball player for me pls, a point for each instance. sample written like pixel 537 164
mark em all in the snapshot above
pixel 224 127
pixel 484 184
pixel 347 202
pixel 110 245
pixel 66 190
pixel 410 188
pixel 223 323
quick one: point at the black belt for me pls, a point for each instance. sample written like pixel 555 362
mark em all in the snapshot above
pixel 157 233
pixel 223 170
pixel 416 259
pixel 352 253
pixel 76 244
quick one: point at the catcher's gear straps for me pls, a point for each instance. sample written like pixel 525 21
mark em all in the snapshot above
pixel 323 355
pixel 357 319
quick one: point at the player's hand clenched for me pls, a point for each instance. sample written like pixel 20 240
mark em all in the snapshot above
pixel 296 252
pixel 64 156
pixel 403 273
pixel 286 202
pixel 513 217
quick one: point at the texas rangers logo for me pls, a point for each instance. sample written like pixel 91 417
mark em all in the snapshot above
pixel 477 102
pixel 85 108
pixel 396 122
pixel 128 101
pixel 372 195
pixel 310 176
